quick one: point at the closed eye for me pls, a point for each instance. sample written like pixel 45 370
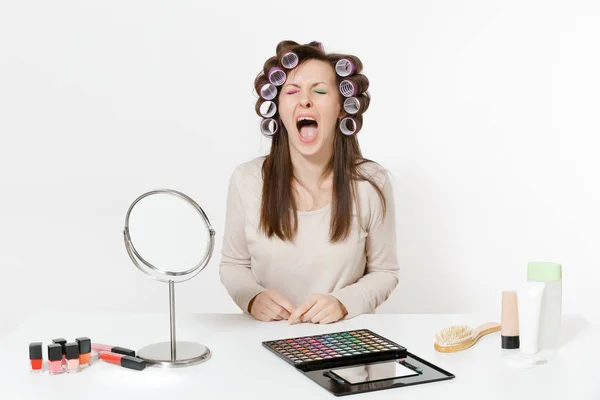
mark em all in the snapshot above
pixel 320 91
pixel 292 91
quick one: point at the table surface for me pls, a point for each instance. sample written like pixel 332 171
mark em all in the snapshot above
pixel 241 368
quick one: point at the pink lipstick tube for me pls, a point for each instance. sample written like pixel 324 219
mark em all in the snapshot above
pixel 97 347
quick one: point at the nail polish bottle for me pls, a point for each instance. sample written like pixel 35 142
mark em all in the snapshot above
pixel 85 351
pixel 62 342
pixel 72 350
pixel 35 356
pixel 55 359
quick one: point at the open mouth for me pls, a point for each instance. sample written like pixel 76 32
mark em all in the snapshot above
pixel 307 128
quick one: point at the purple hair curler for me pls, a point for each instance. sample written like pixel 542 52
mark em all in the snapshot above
pixel 344 67
pixel 348 126
pixel 268 91
pixel 348 88
pixel 289 60
pixel 268 109
pixel 269 127
pixel 352 105
pixel 277 76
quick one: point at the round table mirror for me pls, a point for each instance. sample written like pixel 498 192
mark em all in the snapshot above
pixel 169 238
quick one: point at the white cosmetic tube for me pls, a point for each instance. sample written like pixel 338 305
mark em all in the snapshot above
pixel 529 307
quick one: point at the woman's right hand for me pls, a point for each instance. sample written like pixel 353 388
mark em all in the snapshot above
pixel 270 305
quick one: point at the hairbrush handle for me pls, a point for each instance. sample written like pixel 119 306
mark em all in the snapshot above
pixel 485 329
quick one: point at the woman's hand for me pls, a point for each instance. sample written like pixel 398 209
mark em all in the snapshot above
pixel 319 309
pixel 270 306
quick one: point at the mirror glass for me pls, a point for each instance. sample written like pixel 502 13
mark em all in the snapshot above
pixel 374 372
pixel 169 233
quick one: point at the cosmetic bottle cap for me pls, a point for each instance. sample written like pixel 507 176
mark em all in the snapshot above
pixel 85 345
pixel 510 342
pixel 62 343
pixel 72 350
pixel 123 350
pixel 35 351
pixel 55 352
pixel 544 271
pixel 133 363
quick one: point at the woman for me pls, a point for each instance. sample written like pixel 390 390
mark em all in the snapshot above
pixel 310 228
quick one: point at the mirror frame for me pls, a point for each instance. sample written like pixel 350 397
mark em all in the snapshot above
pixel 180 276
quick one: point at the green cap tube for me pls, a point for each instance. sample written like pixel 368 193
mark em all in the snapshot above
pixel 544 271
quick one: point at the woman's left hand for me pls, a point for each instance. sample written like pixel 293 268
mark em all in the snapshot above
pixel 319 309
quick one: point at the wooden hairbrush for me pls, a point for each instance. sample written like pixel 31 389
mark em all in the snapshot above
pixel 460 337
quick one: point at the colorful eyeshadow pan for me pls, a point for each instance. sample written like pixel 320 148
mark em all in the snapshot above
pixel 345 346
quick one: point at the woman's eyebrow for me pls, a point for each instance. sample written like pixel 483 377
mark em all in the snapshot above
pixel 298 86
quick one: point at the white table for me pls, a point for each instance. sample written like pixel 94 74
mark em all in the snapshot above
pixel 240 368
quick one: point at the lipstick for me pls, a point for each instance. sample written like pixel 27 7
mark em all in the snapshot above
pixel 112 349
pixel 55 359
pixel 72 356
pixel 35 356
pixel 85 350
pixel 124 361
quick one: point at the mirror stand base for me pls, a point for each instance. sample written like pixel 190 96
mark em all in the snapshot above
pixel 187 354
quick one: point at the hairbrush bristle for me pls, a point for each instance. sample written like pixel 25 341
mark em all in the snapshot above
pixel 453 335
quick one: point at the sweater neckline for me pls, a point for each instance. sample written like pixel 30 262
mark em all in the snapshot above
pixel 315 212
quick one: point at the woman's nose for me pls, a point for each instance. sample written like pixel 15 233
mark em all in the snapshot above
pixel 305 99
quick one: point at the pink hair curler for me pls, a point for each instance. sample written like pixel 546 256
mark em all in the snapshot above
pixel 289 60
pixel 320 45
pixel 348 126
pixel 348 88
pixel 277 76
pixel 352 105
pixel 269 127
pixel 344 67
pixel 268 91
pixel 268 109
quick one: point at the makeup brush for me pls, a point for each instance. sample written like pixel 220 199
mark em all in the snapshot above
pixel 460 337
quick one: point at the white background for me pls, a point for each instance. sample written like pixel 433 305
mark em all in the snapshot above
pixel 485 113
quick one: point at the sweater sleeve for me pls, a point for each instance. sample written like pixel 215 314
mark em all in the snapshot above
pixel 235 267
pixel 381 271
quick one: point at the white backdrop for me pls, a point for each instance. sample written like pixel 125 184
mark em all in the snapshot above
pixel 486 114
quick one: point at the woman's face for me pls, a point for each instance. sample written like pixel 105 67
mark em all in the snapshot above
pixel 309 107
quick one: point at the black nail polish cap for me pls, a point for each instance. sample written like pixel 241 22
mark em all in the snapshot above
pixel 62 343
pixel 35 351
pixel 133 363
pixel 55 352
pixel 85 345
pixel 72 350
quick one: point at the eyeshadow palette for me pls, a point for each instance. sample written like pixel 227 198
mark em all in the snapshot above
pixel 339 348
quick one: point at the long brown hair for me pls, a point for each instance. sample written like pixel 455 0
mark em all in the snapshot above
pixel 278 214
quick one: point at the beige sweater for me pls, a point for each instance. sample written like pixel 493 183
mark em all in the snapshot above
pixel 360 272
